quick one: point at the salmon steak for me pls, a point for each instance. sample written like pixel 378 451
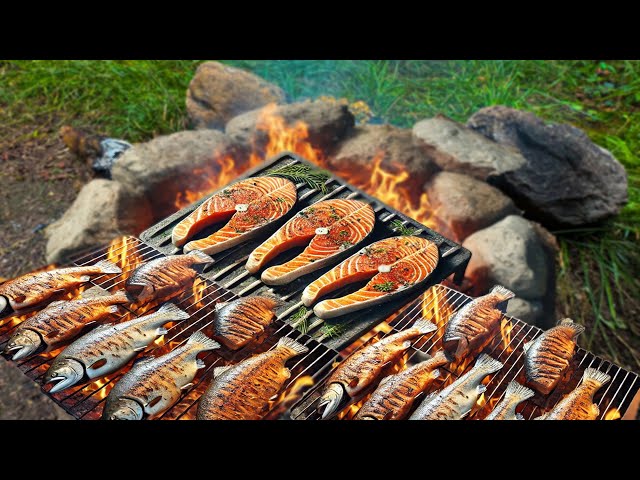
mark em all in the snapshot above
pixel 240 321
pixel 327 229
pixel 247 206
pixel 394 265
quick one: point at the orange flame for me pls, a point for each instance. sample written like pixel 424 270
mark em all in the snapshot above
pixel 505 329
pixel 199 286
pixel 613 414
pixel 124 253
pixel 289 396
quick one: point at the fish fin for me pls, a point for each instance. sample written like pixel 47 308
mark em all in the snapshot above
pixel 517 391
pixel 113 308
pixel 595 376
pixel 575 327
pixel 287 373
pixel 220 370
pixel 85 278
pixel 488 364
pixel 161 331
pixel 526 347
pixel 462 346
pixel 205 342
pixel 502 292
pixel 108 267
pixel 435 374
pixel 186 386
pixel 220 305
pixel 291 344
pixel 200 257
pixel 20 298
pixel 200 364
pixel 173 312
pixel 94 292
pixel 425 326
pixel 519 416
pixel 140 349
pixel 481 388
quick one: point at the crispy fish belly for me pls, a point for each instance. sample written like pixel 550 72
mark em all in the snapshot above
pixel 108 348
pixel 456 401
pixel 364 367
pixel 35 288
pixel 154 385
pixel 475 324
pixel 243 391
pixel 578 405
pixel 393 265
pixel 165 277
pixel 548 356
pixel 61 321
pixel 395 395
pixel 240 321
pixel 327 228
pixel 514 395
pixel 249 219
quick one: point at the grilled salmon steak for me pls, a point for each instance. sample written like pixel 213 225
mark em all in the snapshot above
pixel 35 288
pixel 248 206
pixel 396 264
pixel 240 321
pixel 474 325
pixel 548 356
pixel 243 391
pixel 329 228
pixel 363 368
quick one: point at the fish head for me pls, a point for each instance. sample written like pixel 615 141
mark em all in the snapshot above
pixel 124 409
pixel 65 373
pixel 4 304
pixel 141 292
pixel 331 399
pixel 24 343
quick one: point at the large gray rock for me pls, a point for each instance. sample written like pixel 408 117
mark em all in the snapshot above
pixel 103 210
pixel 167 166
pixel 531 311
pixel 567 179
pixel 326 123
pixel 510 253
pixel 457 148
pixel 465 204
pixel 217 93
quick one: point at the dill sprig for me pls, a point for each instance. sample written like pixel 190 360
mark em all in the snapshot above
pixel 302 315
pixel 300 173
pixel 333 330
pixel 398 227
pixel 384 287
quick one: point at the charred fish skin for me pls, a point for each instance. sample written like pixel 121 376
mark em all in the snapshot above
pixel 243 391
pixel 359 371
pixel 548 356
pixel 62 321
pixel 578 405
pixel 154 385
pixel 473 325
pixel 33 289
pixel 514 395
pixel 456 401
pixel 164 277
pixel 240 321
pixel 108 348
pixel 396 394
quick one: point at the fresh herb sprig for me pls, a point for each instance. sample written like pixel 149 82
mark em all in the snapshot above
pixel 301 320
pixel 299 173
pixel 398 227
pixel 384 286
pixel 333 330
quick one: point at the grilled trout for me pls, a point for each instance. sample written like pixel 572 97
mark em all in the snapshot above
pixel 33 289
pixel 153 385
pixel 456 401
pixel 243 391
pixel 514 395
pixel 328 228
pixel 108 348
pixel 165 277
pixel 240 321
pixel 393 265
pixel 363 368
pixel 61 321
pixel 474 325
pixel 548 356
pixel 578 405
pixel 395 395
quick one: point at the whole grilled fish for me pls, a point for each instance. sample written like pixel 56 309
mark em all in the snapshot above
pixel 548 356
pixel 240 321
pixel 243 391
pixel 108 348
pixel 153 385
pixel 475 324
pixel 35 288
pixel 514 395
pixel 61 321
pixel 456 401
pixel 395 395
pixel 578 405
pixel 363 367
pixel 165 277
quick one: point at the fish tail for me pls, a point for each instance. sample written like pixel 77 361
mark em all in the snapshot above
pixel 200 257
pixel 488 364
pixel 171 311
pixel 295 347
pixel 425 326
pixel 518 392
pixel 201 340
pixel 502 292
pixel 595 377
pixel 570 324
pixel 108 267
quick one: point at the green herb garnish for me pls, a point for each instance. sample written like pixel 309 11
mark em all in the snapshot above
pixel 344 233
pixel 334 330
pixel 302 315
pixel 398 227
pixel 384 287
pixel 299 173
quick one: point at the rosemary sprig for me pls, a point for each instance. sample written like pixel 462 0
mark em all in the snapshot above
pixel 299 173
pixel 333 330
pixel 384 287
pixel 398 227
pixel 301 314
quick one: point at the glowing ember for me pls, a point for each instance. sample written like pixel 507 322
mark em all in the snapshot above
pixel 613 414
